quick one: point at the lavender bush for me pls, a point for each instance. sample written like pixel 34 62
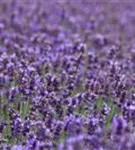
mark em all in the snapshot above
pixel 67 75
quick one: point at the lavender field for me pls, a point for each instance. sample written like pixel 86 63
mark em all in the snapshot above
pixel 67 75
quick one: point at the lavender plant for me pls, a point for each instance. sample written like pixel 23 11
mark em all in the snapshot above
pixel 67 75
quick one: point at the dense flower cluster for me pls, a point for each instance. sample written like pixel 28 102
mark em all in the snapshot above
pixel 67 75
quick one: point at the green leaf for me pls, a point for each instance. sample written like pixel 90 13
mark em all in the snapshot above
pixel 80 110
pixel 110 116
pixel 24 109
pixel 99 103
pixel 61 138
pixel 1 111
pixel 7 132
pixel 113 111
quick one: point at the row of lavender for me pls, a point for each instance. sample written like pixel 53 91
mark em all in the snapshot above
pixel 67 75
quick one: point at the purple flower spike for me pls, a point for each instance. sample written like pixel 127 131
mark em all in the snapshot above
pixel 119 125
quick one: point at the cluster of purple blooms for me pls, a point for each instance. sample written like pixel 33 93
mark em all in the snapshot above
pixel 67 75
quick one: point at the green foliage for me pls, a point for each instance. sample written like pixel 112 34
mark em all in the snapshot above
pixel 112 113
pixel 80 110
pixel 61 137
pixel 113 110
pixel 24 109
pixel 99 104
pixel 7 132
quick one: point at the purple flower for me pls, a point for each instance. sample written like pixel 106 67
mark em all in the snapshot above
pixel 119 125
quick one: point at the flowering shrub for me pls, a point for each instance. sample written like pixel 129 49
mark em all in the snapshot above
pixel 67 75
